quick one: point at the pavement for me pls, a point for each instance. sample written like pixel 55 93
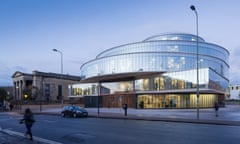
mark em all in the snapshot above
pixel 229 115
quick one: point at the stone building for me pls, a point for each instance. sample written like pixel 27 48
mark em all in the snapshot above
pixel 234 92
pixel 42 86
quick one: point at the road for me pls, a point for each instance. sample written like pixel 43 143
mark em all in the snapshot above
pixel 114 131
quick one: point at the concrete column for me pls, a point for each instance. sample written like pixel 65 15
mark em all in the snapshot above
pixel 18 90
pixel 15 90
pixel 21 90
pixel 151 84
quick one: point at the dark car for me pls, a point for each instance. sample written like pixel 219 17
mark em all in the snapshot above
pixel 74 111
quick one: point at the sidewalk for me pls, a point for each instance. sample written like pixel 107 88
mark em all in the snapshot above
pixel 230 115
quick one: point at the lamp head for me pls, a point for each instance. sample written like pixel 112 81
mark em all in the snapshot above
pixel 192 7
pixel 55 50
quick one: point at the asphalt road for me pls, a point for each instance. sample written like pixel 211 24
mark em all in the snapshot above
pixel 119 131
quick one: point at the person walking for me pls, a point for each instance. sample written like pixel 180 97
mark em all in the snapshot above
pixel 28 119
pixel 11 106
pixel 216 106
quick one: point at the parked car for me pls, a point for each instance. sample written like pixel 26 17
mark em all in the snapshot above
pixel 74 111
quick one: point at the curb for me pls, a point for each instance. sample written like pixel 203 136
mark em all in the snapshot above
pixel 18 134
pixel 133 117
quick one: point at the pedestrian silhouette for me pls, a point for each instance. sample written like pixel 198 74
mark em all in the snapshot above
pixel 11 106
pixel 216 106
pixel 28 119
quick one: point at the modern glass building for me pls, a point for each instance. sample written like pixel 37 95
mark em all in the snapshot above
pixel 158 72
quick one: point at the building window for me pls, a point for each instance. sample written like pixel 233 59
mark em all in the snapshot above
pixel 47 92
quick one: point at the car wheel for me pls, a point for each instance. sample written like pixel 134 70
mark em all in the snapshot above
pixel 74 115
pixel 62 114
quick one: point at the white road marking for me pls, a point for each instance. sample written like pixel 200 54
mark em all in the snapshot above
pixel 10 132
pixel 50 121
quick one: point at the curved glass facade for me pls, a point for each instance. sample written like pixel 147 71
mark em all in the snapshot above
pixel 158 55
pixel 175 56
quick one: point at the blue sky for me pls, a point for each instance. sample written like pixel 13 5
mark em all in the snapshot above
pixel 81 29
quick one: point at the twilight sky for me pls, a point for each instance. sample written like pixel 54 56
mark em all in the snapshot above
pixel 81 29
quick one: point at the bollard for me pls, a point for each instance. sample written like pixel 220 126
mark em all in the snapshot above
pixel 125 107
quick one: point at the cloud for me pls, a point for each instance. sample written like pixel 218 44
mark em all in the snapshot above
pixel 7 72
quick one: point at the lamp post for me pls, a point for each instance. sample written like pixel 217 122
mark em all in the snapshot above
pixel 55 50
pixel 195 11
pixel 41 95
pixel 99 93
pixel 99 88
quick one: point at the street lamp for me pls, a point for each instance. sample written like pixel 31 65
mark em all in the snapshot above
pixel 55 50
pixel 195 11
pixel 99 93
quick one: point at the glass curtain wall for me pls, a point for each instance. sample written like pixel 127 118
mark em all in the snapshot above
pixel 148 101
pixel 168 81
